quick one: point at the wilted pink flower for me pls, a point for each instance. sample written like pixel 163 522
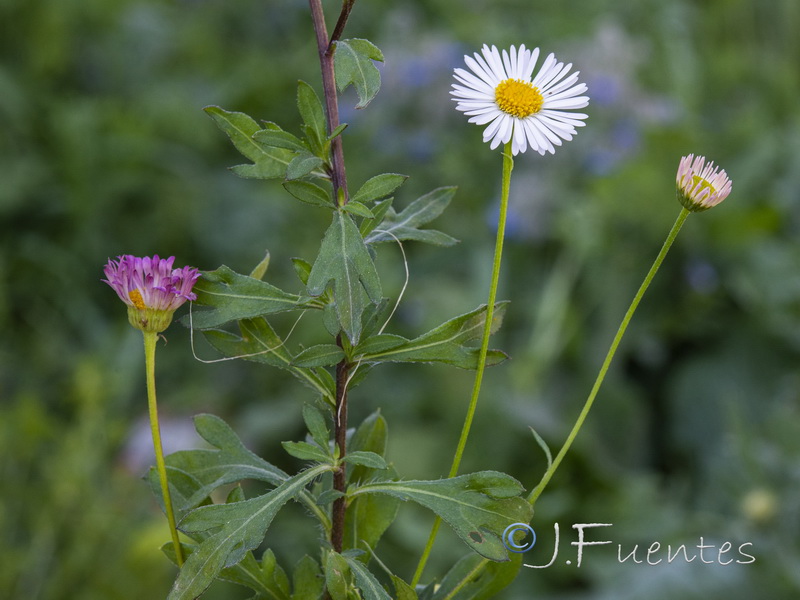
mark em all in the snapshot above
pixel 151 288
pixel 701 185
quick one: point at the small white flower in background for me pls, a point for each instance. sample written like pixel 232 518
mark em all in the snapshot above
pixel 700 185
pixel 528 111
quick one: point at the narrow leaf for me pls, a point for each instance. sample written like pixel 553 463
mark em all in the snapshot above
pixel 260 269
pixel 315 422
pixel 279 139
pixel 322 355
pixel 306 451
pixel 379 187
pixel 366 459
pixel 303 164
pixel 311 111
pixel 231 296
pixel 358 209
pixel 308 192
pixel 302 268
pixel 370 588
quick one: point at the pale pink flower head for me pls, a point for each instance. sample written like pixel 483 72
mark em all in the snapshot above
pixel 699 185
pixel 151 288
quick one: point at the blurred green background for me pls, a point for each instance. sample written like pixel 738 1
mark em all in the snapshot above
pixel 104 150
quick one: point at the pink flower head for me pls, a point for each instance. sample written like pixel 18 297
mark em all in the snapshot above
pixel 701 185
pixel 151 288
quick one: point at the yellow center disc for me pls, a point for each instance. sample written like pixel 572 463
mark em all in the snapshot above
pixel 136 298
pixel 518 98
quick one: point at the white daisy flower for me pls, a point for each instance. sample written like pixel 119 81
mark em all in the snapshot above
pixel 535 112
pixel 700 185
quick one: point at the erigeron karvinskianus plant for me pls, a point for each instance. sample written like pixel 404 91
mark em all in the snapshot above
pixel 347 487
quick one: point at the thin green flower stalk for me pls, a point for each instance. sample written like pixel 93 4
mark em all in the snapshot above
pixel 508 166
pixel 523 110
pixel 699 187
pixel 153 291
pixel 150 339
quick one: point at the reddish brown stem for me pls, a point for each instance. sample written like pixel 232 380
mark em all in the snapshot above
pixel 325 49
pixel 340 438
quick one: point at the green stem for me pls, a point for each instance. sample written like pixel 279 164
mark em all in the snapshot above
pixel 508 166
pixel 150 339
pixel 536 492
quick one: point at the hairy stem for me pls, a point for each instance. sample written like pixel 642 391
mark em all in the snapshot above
pixel 326 49
pixel 150 339
pixel 536 492
pixel 508 165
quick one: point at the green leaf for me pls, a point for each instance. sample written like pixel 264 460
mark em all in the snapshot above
pixel 274 576
pixel 307 582
pixel 444 344
pixel 277 138
pixel 302 268
pixel 337 576
pixel 478 506
pixel 308 192
pixel 306 451
pixel 405 225
pixel 358 209
pixel 260 343
pixel 371 436
pixel 315 422
pixel 303 164
pixel 370 588
pixel 379 211
pixel 231 296
pixel 247 573
pixel 344 260
pixel 379 187
pixel 474 578
pixel 402 590
pixel 365 459
pixel 353 65
pixel 194 474
pixel 237 528
pixel 367 519
pixel 311 111
pixel 261 268
pixel 269 163
pixel 322 355
pixel 337 131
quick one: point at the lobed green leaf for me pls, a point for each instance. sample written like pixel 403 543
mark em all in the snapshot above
pixel 260 343
pixel 236 529
pixel 345 262
pixel 444 344
pixel 268 163
pixel 354 66
pixel 406 224
pixel 478 506
pixel 231 296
